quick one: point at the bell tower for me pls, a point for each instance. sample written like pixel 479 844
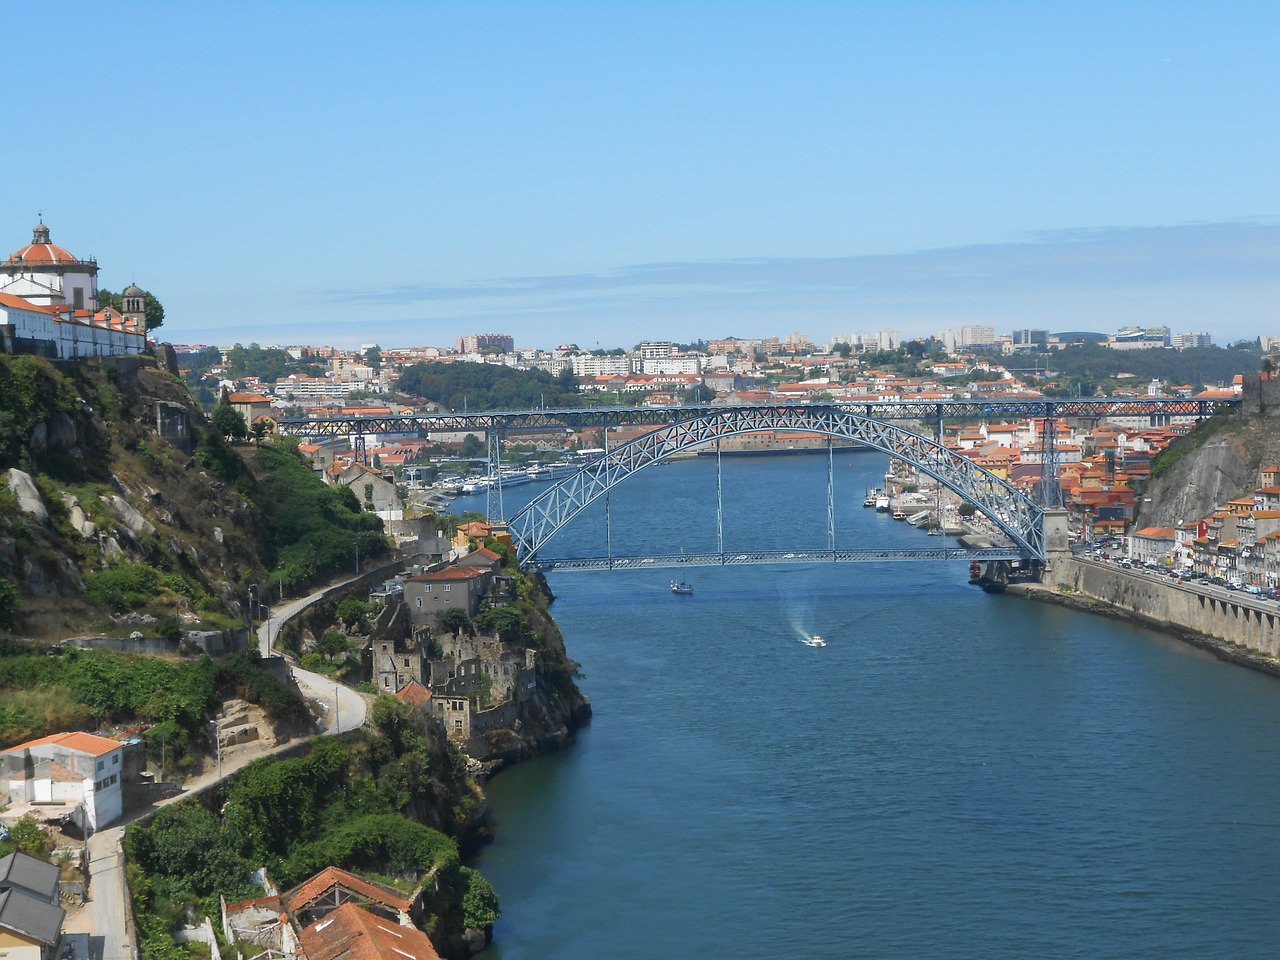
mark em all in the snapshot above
pixel 134 303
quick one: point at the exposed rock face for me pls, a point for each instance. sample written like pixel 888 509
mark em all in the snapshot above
pixel 79 522
pixel 56 433
pixel 131 518
pixel 29 500
pixel 1224 467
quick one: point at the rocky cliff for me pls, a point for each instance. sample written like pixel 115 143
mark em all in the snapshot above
pixel 1219 461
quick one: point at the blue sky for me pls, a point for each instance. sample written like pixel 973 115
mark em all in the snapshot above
pixel 406 172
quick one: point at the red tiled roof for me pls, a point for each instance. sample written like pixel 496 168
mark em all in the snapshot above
pixel 42 253
pixel 414 694
pixel 331 877
pixel 89 743
pixel 449 574
pixel 354 934
pixel 9 300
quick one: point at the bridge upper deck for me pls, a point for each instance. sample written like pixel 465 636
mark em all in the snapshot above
pixel 886 410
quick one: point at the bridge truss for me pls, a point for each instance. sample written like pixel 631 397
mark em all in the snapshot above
pixel 575 419
pixel 1020 519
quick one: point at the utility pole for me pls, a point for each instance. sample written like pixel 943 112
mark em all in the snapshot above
pixel 337 724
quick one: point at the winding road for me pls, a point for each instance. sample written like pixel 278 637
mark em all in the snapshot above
pixel 104 920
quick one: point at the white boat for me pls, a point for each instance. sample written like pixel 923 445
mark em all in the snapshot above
pixel 513 478
pixel 681 588
pixel 814 641
pixel 882 504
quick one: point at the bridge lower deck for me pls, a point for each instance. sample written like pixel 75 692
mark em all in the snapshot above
pixel 776 556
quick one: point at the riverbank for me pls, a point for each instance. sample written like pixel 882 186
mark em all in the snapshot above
pixel 1222 649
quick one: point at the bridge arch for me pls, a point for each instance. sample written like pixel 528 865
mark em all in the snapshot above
pixel 1021 519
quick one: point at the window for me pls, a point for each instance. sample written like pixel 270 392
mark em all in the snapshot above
pixel 419 601
pixel 457 724
pixel 406 661
pixel 446 587
pixel 115 759
pixel 101 764
pixel 386 682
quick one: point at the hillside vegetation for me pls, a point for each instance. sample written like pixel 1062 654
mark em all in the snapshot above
pixel 486 386
pixel 144 517
pixel 127 518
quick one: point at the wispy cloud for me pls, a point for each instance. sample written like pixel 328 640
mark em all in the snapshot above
pixel 1220 277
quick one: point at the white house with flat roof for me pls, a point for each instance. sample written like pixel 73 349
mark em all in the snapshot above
pixel 68 770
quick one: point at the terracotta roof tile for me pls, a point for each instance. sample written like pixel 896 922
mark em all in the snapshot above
pixel 354 934
pixel 330 877
pixel 89 743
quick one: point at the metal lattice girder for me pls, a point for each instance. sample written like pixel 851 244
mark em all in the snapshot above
pixel 775 556
pixel 1016 515
pixel 576 419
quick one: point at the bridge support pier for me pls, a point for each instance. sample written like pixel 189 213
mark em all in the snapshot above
pixel 1057 546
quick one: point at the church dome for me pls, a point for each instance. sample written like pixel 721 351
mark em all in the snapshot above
pixel 40 250
pixel 133 290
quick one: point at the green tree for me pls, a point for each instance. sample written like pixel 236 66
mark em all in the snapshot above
pixel 353 612
pixel 473 446
pixel 455 621
pixel 333 644
pixel 479 900
pixel 227 420
pixel 506 623
pixel 27 836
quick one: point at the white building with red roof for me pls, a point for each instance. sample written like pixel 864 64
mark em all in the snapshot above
pixel 67 769
pixel 49 306
pixel 45 274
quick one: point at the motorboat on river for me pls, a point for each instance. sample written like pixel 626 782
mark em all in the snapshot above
pixel 682 588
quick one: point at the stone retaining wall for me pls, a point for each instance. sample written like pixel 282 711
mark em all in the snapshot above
pixel 1240 619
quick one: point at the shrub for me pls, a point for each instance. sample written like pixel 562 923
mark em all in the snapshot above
pixel 8 604
pixel 126 586
pixel 479 900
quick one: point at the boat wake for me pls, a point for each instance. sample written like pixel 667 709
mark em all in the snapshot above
pixel 815 640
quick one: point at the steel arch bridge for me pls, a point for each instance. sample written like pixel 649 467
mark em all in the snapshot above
pixel 1020 518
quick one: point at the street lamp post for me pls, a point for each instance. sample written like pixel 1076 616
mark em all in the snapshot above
pixel 337 724
pixel 280 570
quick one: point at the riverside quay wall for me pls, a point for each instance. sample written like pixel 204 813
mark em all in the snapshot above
pixel 1240 619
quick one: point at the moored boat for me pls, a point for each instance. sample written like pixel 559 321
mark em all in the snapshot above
pixel 681 588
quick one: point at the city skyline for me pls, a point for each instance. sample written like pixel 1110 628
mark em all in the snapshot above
pixel 406 174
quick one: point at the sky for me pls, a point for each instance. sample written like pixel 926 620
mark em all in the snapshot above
pixel 404 173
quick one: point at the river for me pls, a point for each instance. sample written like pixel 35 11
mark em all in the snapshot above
pixel 956 774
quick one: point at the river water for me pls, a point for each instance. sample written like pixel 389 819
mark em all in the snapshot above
pixel 955 774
